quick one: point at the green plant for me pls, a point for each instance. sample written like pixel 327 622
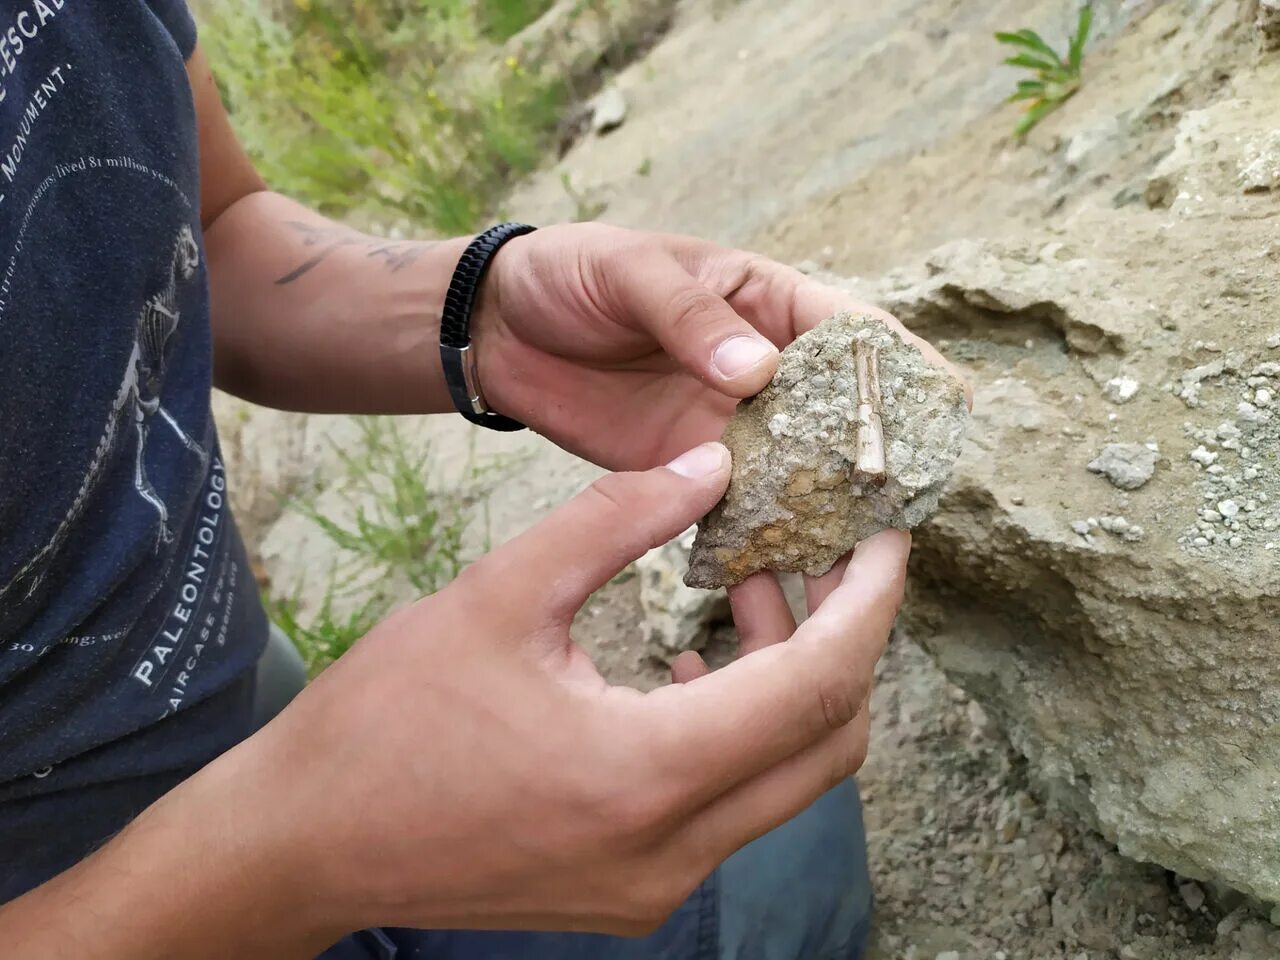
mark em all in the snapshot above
pixel 1057 78
pixel 401 534
pixel 403 525
pixel 585 207
pixel 386 107
pixel 326 635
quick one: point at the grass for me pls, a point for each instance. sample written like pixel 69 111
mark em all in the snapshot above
pixel 586 207
pixel 405 535
pixel 391 108
pixel 1056 78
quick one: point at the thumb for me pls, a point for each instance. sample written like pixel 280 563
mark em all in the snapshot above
pixel 557 564
pixel 695 326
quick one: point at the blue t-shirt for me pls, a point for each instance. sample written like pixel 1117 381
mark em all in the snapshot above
pixel 129 621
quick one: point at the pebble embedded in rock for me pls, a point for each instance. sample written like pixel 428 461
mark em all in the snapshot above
pixel 1127 465
pixel 1121 389
pixel 805 489
pixel 1192 895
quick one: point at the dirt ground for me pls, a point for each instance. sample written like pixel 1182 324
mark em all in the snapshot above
pixel 857 137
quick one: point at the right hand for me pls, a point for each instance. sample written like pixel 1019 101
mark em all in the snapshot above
pixel 466 766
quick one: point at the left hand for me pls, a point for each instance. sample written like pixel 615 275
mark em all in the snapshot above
pixel 627 348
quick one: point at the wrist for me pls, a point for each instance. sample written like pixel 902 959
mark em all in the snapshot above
pixel 497 370
pixel 207 871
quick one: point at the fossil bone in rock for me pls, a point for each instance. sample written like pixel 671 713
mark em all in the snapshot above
pixel 857 431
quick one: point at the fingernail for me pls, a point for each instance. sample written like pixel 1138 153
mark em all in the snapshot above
pixel 702 461
pixel 739 354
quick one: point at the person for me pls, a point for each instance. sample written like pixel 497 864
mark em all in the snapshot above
pixel 464 770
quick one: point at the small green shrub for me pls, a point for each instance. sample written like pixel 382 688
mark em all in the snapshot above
pixel 326 636
pixel 373 105
pixel 404 537
pixel 1057 78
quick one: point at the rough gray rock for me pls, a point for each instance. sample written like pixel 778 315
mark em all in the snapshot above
pixel 1127 465
pixel 608 110
pixel 676 617
pixel 802 494
pixel 1140 678
pixel 1269 23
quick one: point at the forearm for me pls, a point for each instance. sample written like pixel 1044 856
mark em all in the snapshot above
pixel 310 315
pixel 199 874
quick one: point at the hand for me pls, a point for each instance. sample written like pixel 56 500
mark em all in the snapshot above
pixel 465 765
pixel 626 348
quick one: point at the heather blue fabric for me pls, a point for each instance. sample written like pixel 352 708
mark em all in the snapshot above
pixel 801 892
pixel 129 621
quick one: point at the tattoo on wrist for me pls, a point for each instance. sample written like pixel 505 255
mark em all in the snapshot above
pixel 395 254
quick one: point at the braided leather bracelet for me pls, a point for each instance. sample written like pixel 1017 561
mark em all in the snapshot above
pixel 456 355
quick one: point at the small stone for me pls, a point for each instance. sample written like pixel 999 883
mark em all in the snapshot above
pixel 1200 542
pixel 1191 895
pixel 1262 397
pixel 1211 516
pixel 1202 456
pixel 1121 389
pixel 1236 542
pixel 1081 527
pixel 1273 341
pixel 608 110
pixel 675 617
pixel 1228 508
pixel 803 496
pixel 1127 465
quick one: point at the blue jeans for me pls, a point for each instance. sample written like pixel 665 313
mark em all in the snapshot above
pixel 801 892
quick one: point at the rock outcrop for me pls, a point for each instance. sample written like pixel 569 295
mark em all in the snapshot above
pixel 1126 636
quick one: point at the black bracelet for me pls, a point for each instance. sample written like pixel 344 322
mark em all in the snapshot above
pixel 456 356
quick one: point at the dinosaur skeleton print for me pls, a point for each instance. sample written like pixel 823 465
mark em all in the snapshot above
pixel 138 405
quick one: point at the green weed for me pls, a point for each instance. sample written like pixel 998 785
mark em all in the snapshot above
pixel 404 526
pixel 404 536
pixel 1057 78
pixel 372 106
pixel 585 206
pixel 326 635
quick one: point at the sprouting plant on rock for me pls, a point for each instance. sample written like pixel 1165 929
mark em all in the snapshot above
pixel 1057 78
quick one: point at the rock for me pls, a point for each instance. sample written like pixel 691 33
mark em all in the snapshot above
pixel 1268 23
pixel 1192 895
pixel 1139 684
pixel 1260 163
pixel 968 282
pixel 1121 389
pixel 608 110
pixel 809 482
pixel 1230 147
pixel 1127 465
pixel 676 617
